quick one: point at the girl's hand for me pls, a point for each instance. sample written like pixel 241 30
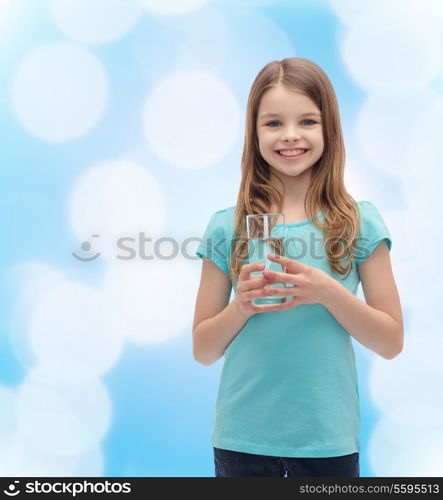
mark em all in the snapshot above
pixel 250 287
pixel 307 285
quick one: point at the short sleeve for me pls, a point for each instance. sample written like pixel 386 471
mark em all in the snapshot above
pixel 373 230
pixel 215 244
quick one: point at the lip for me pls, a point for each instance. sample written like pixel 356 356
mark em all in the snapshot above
pixel 293 158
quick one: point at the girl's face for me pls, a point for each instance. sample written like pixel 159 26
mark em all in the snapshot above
pixel 288 121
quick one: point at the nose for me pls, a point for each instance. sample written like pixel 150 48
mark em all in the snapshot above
pixel 291 134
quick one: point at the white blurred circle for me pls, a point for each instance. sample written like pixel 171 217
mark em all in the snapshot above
pixel 152 301
pixel 398 449
pixel 423 159
pixel 246 59
pixel 427 346
pixel 32 279
pixel 59 91
pixel 172 6
pixel 353 182
pixel 425 317
pixel 252 3
pixel 425 208
pixel 69 333
pixel 34 275
pixel 91 464
pixel 8 419
pixel 360 173
pixel 63 421
pixel 348 10
pixel 26 459
pixel 191 119
pixel 416 417
pixel 95 21
pixel 412 261
pixel 112 201
pixel 387 48
pixel 6 8
pixel 405 378
pixel 431 460
pixel 385 127
pixel 203 41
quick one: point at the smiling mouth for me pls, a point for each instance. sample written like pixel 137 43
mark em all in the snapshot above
pixel 292 154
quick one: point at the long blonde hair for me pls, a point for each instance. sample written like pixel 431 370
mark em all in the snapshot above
pixel 326 191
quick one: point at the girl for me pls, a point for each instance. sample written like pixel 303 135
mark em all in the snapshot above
pixel 288 401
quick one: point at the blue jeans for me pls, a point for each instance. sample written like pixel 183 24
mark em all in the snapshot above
pixel 237 464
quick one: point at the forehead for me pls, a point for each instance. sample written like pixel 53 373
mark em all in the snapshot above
pixel 279 99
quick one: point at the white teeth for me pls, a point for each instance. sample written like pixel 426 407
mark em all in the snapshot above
pixel 292 152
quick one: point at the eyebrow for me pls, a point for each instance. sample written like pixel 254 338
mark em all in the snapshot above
pixel 309 113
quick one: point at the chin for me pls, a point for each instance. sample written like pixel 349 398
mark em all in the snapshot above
pixel 291 171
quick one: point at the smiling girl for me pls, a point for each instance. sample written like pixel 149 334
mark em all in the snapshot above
pixel 288 401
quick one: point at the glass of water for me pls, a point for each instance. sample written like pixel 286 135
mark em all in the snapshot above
pixel 265 236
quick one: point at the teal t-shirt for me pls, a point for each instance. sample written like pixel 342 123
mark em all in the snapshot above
pixel 289 384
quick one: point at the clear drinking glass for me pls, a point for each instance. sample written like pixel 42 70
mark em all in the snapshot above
pixel 265 235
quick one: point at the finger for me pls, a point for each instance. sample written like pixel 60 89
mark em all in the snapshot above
pixel 255 293
pixel 284 261
pixel 277 307
pixel 247 269
pixel 278 277
pixel 256 282
pixel 252 283
pixel 291 291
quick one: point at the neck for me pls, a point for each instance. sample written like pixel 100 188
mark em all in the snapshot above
pixel 295 189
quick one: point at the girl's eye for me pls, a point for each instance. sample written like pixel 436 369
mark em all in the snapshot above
pixel 276 121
